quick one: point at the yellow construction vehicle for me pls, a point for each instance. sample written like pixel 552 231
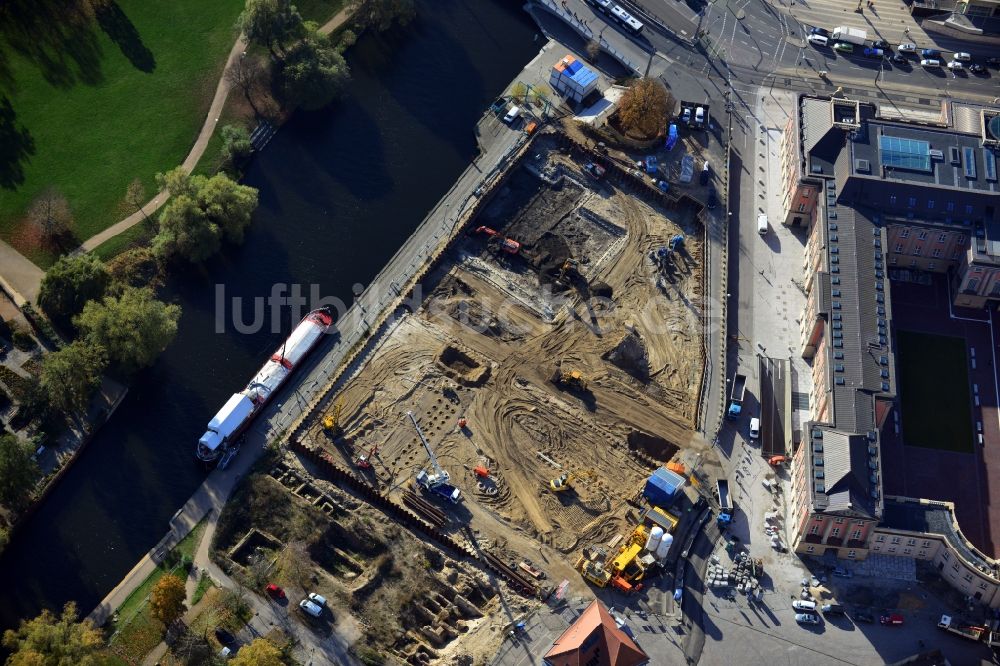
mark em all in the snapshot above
pixel 572 380
pixel 569 265
pixel 331 420
pixel 591 564
pixel 565 480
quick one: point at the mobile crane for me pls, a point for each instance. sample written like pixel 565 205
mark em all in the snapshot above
pixel 438 482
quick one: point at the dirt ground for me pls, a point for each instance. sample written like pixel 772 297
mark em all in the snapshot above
pixel 487 342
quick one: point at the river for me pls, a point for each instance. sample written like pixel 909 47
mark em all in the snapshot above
pixel 340 190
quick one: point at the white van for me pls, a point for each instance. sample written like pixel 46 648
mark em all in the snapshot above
pixel 762 225
pixel 818 40
pixel 512 115
pixel 310 608
pixel 801 605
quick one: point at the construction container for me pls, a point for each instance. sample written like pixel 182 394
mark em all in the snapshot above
pixel 653 540
pixel 662 486
pixel 571 79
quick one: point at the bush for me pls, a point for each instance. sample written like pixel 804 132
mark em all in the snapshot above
pixel 24 341
pixel 43 327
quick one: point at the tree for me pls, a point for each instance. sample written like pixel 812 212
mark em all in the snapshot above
pixel 48 640
pixel 136 267
pixel 270 23
pixel 50 215
pixel 18 470
pixel 380 14
pixel 71 375
pixel 298 563
pixel 250 75
pixel 593 50
pixel 70 283
pixel 236 146
pixel 201 212
pixel 260 652
pixel 166 600
pixel 643 108
pixel 135 199
pixel 313 72
pixel 133 327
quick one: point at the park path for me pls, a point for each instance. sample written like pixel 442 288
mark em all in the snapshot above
pixel 198 149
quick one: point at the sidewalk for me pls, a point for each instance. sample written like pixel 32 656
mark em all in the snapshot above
pixel 19 277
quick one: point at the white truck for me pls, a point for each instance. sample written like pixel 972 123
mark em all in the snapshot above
pixel 850 35
pixel 972 632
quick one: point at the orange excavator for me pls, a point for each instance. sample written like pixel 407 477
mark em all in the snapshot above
pixel 508 245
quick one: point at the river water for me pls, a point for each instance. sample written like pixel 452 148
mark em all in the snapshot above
pixel 340 190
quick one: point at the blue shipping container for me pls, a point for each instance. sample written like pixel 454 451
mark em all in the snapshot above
pixel 662 486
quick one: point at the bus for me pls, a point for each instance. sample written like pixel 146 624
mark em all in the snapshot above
pixel 626 20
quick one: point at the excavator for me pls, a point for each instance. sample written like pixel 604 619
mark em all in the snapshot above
pixel 331 420
pixel 571 380
pixel 565 480
pixel 624 571
pixel 568 271
pixel 508 245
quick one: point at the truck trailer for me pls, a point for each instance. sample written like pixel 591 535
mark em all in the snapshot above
pixel 736 396
pixel 850 35
pixel 973 633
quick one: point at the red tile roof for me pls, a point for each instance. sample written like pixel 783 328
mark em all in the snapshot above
pixel 617 648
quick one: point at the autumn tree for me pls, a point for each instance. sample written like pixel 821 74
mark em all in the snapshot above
pixel 236 146
pixel 201 213
pixel 260 652
pixel 298 563
pixel 136 267
pixel 166 600
pixel 18 470
pixel 50 215
pixel 381 14
pixel 71 375
pixel 133 327
pixel 271 24
pixel 48 640
pixel 643 108
pixel 135 199
pixel 593 50
pixel 69 284
pixel 313 72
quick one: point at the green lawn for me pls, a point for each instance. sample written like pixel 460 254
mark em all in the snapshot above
pixel 934 391
pixel 94 104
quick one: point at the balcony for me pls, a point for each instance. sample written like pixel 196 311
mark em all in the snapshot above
pixel 834 541
pixel 813 538
pixel 857 543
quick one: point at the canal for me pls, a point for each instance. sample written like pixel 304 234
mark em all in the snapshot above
pixel 340 190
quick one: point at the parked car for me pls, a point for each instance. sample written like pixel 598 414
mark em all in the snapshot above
pixel 955 65
pixel 310 608
pixel 818 40
pixel 907 47
pixel 841 572
pixel 930 62
pixel 806 618
pixel 317 599
pixel 513 114
pixel 962 56
pixel 862 617
pixel 801 605
pixel 874 53
pixel 843 47
pixel 822 32
pixel 754 428
pixel 706 173
pixel 881 44
pixel 833 609
pixel 993 62
pixel 930 53
pixel 891 619
pixel 900 59
pixel 976 68
pixel 713 198
pixel 275 591
pixel 686 116
pixel 699 115
pixel 224 636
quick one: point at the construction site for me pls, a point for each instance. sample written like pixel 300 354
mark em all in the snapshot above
pixel 553 365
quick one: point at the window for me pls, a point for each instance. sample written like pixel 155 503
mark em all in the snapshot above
pixel 880 538
pixel 954 566
pixel 945 555
pixel 950 206
pixel 835 532
pixel 936 253
pixel 814 529
pixel 968 209
pixel 806 193
pixel 917 250
pixel 942 238
pixel 856 534
pixel 972 284
pixel 810 549
pixel 899 247
pixel 931 266
pixel 895 540
pixel 925 544
pixel 838 521
pixel 960 240
pixel 921 553
pixel 922 235
pixel 852 554
pixel 930 204
pixel 892 199
pixel 967 578
pixel 955 255
pixel 892 549
pixel 982 586
pixel 802 208
pixel 907 551
pixel 911 202
pixel 905 233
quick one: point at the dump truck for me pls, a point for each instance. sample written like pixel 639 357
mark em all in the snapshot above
pixel 972 632
pixel 736 396
pixel 850 35
pixel 725 502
